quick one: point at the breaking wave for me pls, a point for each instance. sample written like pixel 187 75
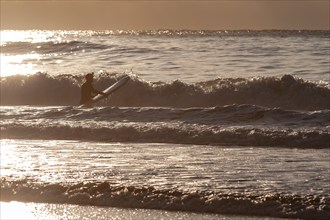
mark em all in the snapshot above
pixel 114 195
pixel 286 92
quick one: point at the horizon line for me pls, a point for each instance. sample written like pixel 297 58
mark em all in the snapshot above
pixel 163 29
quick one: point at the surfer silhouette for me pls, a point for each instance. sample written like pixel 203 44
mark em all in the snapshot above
pixel 87 90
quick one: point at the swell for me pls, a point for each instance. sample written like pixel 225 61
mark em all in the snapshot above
pixel 228 115
pixel 114 195
pixel 223 125
pixel 286 92
pixel 160 132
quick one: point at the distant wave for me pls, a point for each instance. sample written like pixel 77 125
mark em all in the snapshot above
pixel 69 46
pixel 286 92
pixel 109 194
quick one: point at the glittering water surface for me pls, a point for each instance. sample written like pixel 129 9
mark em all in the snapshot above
pixel 168 55
pixel 183 167
pixel 33 211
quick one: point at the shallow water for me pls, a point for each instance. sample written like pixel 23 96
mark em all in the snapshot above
pixel 181 167
pixel 168 172
pixel 33 211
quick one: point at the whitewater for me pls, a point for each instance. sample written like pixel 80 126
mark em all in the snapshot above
pixel 211 125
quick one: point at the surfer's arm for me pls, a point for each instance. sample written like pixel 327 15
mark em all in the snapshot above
pixel 101 93
pixel 98 92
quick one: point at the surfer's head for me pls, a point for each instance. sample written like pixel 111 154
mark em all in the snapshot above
pixel 89 77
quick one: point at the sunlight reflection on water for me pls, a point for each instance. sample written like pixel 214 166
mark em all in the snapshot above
pixel 161 165
pixel 189 57
pixel 34 211
pixel 19 64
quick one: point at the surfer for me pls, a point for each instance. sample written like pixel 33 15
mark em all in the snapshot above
pixel 87 90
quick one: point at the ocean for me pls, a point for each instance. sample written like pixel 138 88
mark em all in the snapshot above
pixel 211 125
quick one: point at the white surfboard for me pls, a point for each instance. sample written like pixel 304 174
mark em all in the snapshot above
pixel 110 90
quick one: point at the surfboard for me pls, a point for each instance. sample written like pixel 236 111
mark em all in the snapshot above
pixel 110 90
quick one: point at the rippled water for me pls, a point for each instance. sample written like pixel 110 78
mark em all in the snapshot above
pixel 189 56
pixel 167 176
pixel 181 167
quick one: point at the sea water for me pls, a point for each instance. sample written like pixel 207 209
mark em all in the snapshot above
pixel 211 124
pixel 189 56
